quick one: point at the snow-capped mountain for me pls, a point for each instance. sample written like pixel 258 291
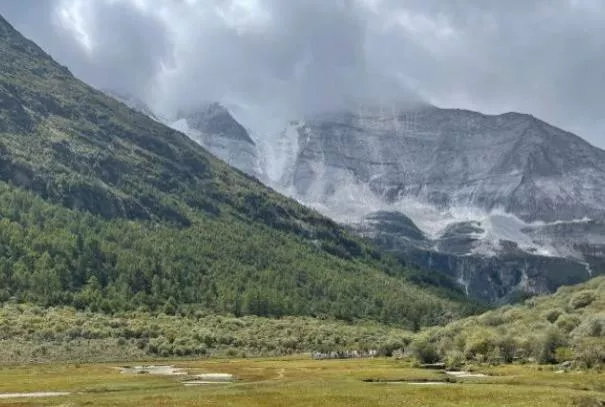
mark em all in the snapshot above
pixel 500 203
pixel 215 129
pixel 451 160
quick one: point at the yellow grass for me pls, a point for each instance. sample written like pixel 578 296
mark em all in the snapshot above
pixel 301 382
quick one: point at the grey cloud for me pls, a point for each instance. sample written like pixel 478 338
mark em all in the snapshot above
pixel 541 57
pixel 274 59
pixel 129 45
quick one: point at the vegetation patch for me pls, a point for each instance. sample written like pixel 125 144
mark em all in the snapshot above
pixel 567 328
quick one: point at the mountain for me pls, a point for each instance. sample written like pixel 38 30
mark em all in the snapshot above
pixel 504 204
pixel 216 130
pixel 566 327
pixel 103 208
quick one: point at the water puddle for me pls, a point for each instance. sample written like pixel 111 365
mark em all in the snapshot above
pixel 154 370
pixel 189 380
pixel 201 383
pixel 34 394
pixel 463 375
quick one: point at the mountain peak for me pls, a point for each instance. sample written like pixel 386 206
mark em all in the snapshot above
pixel 215 119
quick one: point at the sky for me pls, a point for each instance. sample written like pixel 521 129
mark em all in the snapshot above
pixel 271 61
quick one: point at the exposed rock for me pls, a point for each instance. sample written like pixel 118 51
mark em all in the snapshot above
pixel 505 205
pixel 216 130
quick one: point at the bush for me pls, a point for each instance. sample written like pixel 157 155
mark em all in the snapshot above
pixel 454 359
pixel 563 354
pixel 508 348
pixel 582 299
pixel 592 326
pixel 553 315
pixel 591 352
pixel 547 345
pixel 481 343
pixel 567 322
pixel 425 351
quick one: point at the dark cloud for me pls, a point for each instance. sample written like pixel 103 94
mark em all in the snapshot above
pixel 274 59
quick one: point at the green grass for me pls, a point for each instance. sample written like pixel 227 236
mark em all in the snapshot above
pixel 302 382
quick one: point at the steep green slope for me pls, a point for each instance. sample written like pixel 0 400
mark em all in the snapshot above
pixel 103 208
pixel 568 325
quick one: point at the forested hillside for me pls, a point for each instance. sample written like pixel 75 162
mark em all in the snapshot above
pixel 567 326
pixel 105 209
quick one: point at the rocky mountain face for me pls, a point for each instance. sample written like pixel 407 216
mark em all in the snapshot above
pixel 213 127
pixel 453 159
pixel 505 205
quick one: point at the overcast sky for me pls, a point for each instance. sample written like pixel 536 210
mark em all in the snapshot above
pixel 273 60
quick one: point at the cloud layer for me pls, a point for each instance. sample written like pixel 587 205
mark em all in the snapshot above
pixel 273 60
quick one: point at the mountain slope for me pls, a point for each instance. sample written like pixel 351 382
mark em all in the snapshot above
pixel 568 325
pixel 103 208
pixel 506 205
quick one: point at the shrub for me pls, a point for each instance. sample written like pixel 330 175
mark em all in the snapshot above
pixel 425 351
pixel 547 344
pixel 481 343
pixel 592 326
pixel 508 348
pixel 494 357
pixel 553 315
pixel 591 352
pixel 582 299
pixel 567 322
pixel 563 354
pixel 454 359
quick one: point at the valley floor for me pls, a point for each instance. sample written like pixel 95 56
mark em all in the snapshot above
pixel 296 382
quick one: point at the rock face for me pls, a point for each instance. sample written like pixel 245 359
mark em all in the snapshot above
pixel 502 204
pixel 454 158
pixel 215 129
pixel 490 269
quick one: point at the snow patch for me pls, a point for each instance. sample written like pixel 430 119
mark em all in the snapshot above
pixel 353 201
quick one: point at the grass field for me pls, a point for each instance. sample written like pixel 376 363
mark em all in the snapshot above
pixel 302 382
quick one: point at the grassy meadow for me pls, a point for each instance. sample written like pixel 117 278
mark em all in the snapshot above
pixel 303 382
